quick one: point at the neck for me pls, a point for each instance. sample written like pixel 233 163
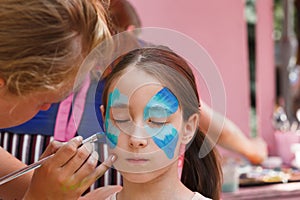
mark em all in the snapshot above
pixel 165 186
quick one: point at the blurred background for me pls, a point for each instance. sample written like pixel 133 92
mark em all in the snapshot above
pixel 255 45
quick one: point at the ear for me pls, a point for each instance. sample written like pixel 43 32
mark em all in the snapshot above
pixel 102 109
pixel 190 128
pixel 130 28
pixel 2 83
pixel 3 89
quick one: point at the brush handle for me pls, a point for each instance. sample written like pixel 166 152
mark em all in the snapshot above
pixel 23 171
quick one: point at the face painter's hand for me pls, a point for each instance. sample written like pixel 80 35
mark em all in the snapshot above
pixel 259 151
pixel 68 173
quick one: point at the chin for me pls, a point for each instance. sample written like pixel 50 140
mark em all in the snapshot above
pixel 144 177
pixel 137 177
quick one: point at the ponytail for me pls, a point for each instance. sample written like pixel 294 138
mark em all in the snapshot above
pixel 203 175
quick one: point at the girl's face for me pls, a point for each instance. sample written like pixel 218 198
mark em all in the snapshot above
pixel 143 123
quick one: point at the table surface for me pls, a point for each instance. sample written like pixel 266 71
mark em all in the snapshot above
pixel 278 191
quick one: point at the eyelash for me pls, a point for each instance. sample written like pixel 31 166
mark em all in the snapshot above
pixel 157 123
pixel 121 120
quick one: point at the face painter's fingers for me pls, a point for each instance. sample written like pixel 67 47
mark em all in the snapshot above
pixel 99 171
pixel 87 167
pixel 65 153
pixel 52 148
pixel 105 165
pixel 109 161
pixel 79 159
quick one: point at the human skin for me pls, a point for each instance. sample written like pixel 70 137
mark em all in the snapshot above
pixel 232 138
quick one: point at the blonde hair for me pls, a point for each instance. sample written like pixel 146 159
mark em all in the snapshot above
pixel 43 42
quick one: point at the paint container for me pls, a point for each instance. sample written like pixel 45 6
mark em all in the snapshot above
pixel 295 149
pixel 284 141
pixel 230 177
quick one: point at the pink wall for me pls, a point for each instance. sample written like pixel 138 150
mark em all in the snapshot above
pixel 221 30
pixel 265 72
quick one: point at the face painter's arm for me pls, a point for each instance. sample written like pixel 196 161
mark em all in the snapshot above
pixel 9 164
pixel 232 138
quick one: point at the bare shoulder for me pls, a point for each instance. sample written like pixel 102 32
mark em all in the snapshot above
pixel 199 196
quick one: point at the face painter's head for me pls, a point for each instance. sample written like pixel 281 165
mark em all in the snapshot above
pixel 149 99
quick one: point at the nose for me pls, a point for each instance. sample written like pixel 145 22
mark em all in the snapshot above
pixel 45 106
pixel 137 143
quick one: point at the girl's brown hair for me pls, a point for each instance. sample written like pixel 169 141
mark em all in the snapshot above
pixel 199 174
pixel 43 42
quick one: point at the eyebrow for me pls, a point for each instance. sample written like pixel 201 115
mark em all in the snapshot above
pixel 119 105
pixel 159 108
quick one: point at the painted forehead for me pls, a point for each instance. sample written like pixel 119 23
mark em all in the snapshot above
pixel 133 79
pixel 162 101
pixel 135 82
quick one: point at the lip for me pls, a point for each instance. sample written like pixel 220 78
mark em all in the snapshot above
pixel 137 160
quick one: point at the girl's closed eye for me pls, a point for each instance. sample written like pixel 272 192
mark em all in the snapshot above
pixel 120 115
pixel 122 123
pixel 119 121
pixel 157 121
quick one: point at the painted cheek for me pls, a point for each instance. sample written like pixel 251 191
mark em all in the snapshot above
pixel 112 132
pixel 166 139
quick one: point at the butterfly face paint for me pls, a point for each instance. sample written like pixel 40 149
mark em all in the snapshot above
pixel 158 109
pixel 155 114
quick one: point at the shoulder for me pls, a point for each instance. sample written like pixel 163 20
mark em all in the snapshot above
pixel 199 196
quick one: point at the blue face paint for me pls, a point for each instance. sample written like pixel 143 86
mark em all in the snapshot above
pixel 162 105
pixel 112 133
pixel 166 139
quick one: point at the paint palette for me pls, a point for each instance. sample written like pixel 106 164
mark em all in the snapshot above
pixel 261 176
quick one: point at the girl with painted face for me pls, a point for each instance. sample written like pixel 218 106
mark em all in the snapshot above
pixel 151 110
